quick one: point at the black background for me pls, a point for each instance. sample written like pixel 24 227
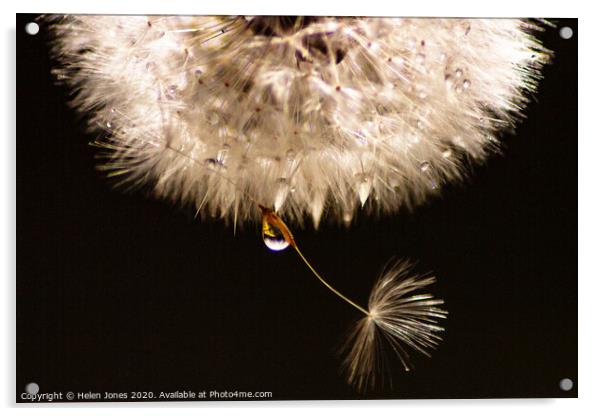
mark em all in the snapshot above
pixel 118 292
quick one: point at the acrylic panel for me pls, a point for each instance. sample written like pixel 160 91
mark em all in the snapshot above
pixel 295 208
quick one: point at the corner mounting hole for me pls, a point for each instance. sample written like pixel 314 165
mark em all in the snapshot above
pixel 566 384
pixel 32 388
pixel 32 28
pixel 566 32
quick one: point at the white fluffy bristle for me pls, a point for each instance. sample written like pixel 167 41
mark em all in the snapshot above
pixel 311 116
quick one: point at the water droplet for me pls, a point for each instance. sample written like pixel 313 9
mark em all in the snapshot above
pixel 426 168
pixel 212 164
pixel 459 73
pixel 282 190
pixel 422 94
pixel 466 83
pixel 222 154
pixel 414 139
pixel 290 155
pixel 171 92
pixel 364 186
pixel 420 58
pixel 394 182
pixel 212 117
pixel 272 235
pixel 360 137
pixel 447 153
pixel 448 81
pixel 459 141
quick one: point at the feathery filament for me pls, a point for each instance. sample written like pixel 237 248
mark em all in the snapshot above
pixel 310 115
pixel 397 318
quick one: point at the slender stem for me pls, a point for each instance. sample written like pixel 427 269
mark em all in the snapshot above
pixel 332 289
pixel 276 221
pixel 271 219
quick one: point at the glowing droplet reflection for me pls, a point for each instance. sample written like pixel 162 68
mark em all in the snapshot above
pixel 273 237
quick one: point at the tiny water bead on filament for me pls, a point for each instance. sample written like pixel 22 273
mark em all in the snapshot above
pixel 274 231
pixel 277 236
pixel 316 116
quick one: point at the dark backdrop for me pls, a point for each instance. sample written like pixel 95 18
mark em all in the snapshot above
pixel 118 292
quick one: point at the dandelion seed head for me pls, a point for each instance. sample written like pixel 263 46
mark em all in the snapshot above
pixel 338 109
pixel 401 317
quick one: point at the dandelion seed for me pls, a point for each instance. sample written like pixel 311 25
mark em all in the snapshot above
pixel 398 317
pixel 395 315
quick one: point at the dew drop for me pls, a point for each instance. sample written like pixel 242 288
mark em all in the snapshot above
pixel 394 183
pixel 212 118
pixel 447 153
pixel 222 154
pixel 459 141
pixel 459 73
pixel 171 92
pixel 273 237
pixel 425 166
pixel 466 83
pixel 360 137
pixel 290 155
pixel 212 164
pixel 414 139
pixel 448 81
